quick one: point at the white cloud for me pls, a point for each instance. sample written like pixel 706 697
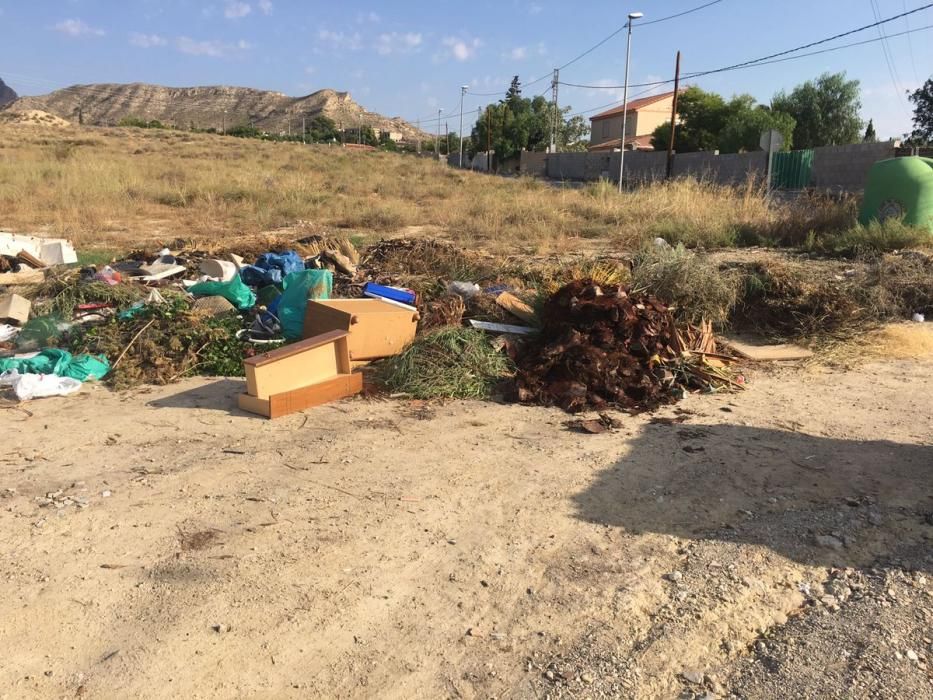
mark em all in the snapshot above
pixel 210 47
pixel 309 70
pixel 77 27
pixel 371 17
pixel 461 49
pixel 341 40
pixel 265 6
pixel 147 41
pixel 237 10
pixel 394 42
pixel 518 53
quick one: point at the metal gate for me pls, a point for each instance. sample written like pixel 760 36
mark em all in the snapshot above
pixel 791 171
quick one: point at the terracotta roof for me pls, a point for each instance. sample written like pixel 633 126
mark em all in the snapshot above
pixel 641 143
pixel 633 105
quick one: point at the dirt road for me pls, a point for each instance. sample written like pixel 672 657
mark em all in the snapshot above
pixel 162 544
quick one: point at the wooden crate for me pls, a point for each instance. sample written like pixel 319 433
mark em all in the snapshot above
pixel 298 376
pixel 377 328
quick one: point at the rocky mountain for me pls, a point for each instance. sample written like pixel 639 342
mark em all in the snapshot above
pixel 7 94
pixel 205 107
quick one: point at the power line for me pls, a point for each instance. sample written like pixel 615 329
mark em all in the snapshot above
pixel 602 42
pixel 755 63
pixel 889 58
pixel 910 43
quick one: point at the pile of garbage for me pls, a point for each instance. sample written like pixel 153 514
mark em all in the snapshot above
pixel 602 347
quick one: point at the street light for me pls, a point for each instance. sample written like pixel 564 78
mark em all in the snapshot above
pixel 463 91
pixel 628 54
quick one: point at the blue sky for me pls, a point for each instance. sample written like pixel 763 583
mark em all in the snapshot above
pixel 409 58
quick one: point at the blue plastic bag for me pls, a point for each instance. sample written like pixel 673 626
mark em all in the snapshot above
pixel 272 268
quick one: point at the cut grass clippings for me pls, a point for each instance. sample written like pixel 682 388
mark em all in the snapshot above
pixel 450 363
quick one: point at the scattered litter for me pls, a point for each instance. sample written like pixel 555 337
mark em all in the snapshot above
pixel 502 328
pixel 405 296
pixel 37 386
pixel 466 290
pixel 605 423
pixel 918 318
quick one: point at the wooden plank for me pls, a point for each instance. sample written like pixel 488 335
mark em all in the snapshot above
pixel 324 392
pixel 294 348
pixel 22 277
pixel 769 353
pixel 517 307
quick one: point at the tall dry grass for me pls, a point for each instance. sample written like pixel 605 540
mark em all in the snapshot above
pixel 126 187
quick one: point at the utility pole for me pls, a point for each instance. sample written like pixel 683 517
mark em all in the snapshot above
pixel 556 119
pixel 223 129
pixel 463 91
pixel 437 136
pixel 289 127
pixel 488 140
pixel 628 57
pixel 418 127
pixel 359 131
pixel 304 131
pixel 447 138
pixel 670 147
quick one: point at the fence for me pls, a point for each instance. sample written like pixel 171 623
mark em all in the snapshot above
pixel 840 168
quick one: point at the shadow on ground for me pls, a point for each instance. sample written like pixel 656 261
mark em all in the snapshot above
pixel 216 396
pixel 814 500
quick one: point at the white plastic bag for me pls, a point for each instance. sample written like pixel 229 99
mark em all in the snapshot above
pixel 38 386
pixel 7 332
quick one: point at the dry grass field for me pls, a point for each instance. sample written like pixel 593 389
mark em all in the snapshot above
pixel 118 187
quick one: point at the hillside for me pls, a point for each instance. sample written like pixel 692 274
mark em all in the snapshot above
pixel 205 107
pixel 7 94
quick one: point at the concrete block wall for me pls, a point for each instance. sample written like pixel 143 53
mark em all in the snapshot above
pixel 533 163
pixel 845 168
pixel 728 169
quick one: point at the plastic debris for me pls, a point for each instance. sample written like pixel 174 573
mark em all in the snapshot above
pixel 37 386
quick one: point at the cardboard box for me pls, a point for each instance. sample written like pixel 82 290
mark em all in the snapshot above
pixel 376 328
pixel 14 309
pixel 308 373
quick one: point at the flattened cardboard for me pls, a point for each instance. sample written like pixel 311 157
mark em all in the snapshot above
pixel 769 353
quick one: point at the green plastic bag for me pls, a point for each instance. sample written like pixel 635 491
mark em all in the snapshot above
pixel 60 362
pixel 299 287
pixel 41 332
pixel 234 291
pixel 49 361
pixel 86 368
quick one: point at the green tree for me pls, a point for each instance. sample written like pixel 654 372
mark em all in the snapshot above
pixel 922 99
pixel 870 135
pixel 826 111
pixel 703 116
pixel 744 127
pixel 322 129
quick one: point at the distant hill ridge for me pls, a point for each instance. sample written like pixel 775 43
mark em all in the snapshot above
pixel 7 94
pixel 105 104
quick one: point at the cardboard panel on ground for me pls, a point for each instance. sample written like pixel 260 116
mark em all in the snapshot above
pixel 301 375
pixel 376 328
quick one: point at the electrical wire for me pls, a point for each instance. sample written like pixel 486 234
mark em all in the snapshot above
pixel 602 42
pixel 910 44
pixel 889 59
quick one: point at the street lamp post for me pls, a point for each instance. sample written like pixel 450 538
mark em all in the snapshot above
pixel 628 55
pixel 463 91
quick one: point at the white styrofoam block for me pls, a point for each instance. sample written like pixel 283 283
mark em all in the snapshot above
pixel 51 251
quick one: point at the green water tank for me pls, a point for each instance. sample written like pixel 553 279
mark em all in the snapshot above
pixel 900 188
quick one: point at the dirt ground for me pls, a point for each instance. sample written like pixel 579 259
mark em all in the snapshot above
pixel 160 543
